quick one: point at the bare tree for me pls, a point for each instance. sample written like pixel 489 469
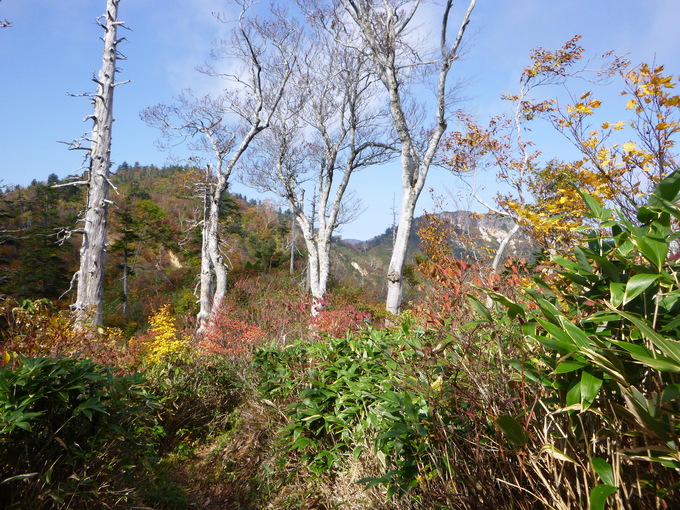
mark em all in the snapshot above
pixel 326 130
pixel 90 290
pixel 223 127
pixel 387 31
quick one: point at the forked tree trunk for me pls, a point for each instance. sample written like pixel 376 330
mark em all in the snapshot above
pixel 90 290
pixel 214 271
pixel 384 40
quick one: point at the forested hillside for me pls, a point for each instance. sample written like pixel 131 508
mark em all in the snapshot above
pixel 154 240
pixel 154 244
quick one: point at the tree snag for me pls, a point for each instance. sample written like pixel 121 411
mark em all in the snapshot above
pixel 90 290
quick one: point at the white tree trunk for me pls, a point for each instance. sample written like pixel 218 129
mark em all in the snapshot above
pixel 319 260
pixel 214 273
pixel 386 41
pixel 90 290
pixel 216 258
pixel 395 269
pixel 502 248
pixel 206 285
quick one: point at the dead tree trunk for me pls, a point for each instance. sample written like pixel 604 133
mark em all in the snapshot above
pixel 90 290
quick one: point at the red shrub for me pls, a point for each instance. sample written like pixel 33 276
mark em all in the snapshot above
pixel 338 321
pixel 228 335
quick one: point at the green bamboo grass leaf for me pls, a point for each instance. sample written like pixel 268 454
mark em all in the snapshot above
pixel 608 267
pixel 582 259
pixel 666 191
pixel 590 386
pixel 565 263
pixel 574 397
pixel 514 309
pixel 669 347
pixel 647 357
pixel 671 392
pixel 654 250
pixel 596 209
pixel 562 347
pixel 19 477
pixel 556 453
pixel 617 292
pixel 637 284
pixel 513 430
pixel 575 333
pixel 568 366
pixel 662 364
pixel 557 332
pixel 604 470
pixel 482 310
pixel 549 310
pixel 599 495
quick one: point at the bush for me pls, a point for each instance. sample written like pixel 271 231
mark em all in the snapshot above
pixel 226 335
pixel 72 434
pixel 602 353
pixel 418 411
pixel 36 328
pixel 162 343
pixel 195 397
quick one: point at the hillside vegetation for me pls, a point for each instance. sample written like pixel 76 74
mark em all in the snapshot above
pixel 570 381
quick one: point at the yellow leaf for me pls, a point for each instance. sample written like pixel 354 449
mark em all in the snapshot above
pixel 629 146
pixel 605 125
pixel 619 125
pixel 632 103
pixel 6 358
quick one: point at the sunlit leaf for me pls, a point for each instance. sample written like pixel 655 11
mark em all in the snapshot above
pixel 568 366
pixel 556 453
pixel 590 386
pixel 653 250
pixel 604 470
pixel 638 284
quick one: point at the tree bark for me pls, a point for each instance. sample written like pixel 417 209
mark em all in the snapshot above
pixel 90 290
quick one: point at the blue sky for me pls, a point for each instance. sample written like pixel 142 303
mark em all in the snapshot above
pixel 53 49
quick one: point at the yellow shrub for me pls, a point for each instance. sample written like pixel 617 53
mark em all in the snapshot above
pixel 164 343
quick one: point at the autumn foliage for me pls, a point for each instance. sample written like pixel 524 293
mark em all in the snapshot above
pixel 618 162
pixel 229 336
pixel 163 342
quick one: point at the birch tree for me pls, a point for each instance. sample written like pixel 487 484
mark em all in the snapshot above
pixel 389 36
pixel 222 127
pixel 90 276
pixel 326 131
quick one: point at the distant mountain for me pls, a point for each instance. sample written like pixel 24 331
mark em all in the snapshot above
pixel 479 235
pixel 480 232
